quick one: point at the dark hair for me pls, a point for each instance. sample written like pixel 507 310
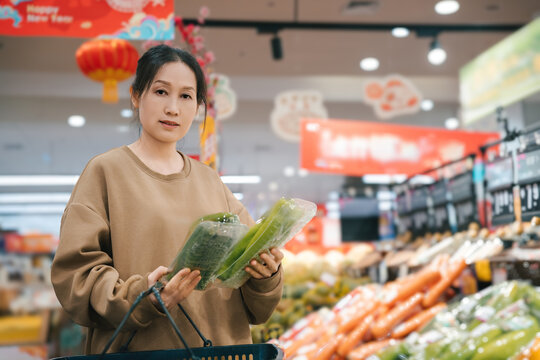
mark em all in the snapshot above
pixel 154 58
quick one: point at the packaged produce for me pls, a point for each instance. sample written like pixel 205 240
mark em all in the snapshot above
pixel 220 247
pixel 210 239
pixel 286 218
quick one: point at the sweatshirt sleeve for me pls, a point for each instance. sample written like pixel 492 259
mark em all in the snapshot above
pixel 261 296
pixel 84 279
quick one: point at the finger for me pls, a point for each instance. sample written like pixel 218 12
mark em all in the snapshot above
pixel 177 279
pixel 157 273
pixel 269 262
pixel 278 255
pixel 260 268
pixel 189 286
pixel 253 273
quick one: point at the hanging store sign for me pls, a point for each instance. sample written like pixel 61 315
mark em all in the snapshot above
pixel 392 96
pixel 500 180
pixel 466 214
pixel 209 142
pixel 529 200
pixel 419 197
pixel 463 199
pixel 124 19
pixel 439 192
pixel 461 187
pixel 502 206
pixel 499 174
pixel 441 219
pixel 357 148
pixel 290 107
pixel 528 178
pixel 439 199
pixel 224 97
pixel 528 167
pixel 503 75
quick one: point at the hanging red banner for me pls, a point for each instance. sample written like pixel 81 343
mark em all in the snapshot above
pixel 124 19
pixel 357 148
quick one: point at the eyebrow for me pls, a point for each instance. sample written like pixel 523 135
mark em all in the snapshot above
pixel 169 84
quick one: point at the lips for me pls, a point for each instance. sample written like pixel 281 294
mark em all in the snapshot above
pixel 169 123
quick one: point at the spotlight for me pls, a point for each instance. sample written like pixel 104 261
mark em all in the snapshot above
pixel 426 105
pixel 451 123
pixel 400 32
pixel 76 121
pixel 277 52
pixel 369 64
pixel 446 7
pixel 436 54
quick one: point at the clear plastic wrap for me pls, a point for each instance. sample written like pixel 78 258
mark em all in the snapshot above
pixel 206 248
pixel 274 229
pixel 219 246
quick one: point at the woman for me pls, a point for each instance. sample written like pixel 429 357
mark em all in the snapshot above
pixel 129 214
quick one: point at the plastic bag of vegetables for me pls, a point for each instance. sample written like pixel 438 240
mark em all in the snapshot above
pixel 274 229
pixel 210 240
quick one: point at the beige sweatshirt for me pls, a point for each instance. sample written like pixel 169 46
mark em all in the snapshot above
pixel 123 221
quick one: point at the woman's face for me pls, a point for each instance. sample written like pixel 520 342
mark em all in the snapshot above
pixel 168 107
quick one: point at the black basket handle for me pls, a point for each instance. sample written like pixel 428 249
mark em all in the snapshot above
pixel 142 295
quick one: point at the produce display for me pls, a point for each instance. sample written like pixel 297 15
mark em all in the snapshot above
pixel 220 247
pixel 371 316
pixel 497 323
pixel 300 300
pixel 471 245
pixel 311 281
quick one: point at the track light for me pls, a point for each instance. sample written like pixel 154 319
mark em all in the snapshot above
pixel 436 54
pixel 447 7
pixel 277 52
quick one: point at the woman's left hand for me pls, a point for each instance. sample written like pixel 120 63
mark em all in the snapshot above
pixel 267 266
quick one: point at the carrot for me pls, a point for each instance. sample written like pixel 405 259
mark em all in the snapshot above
pixel 439 288
pixel 326 352
pixel 397 314
pixel 440 261
pixel 415 283
pixel 352 322
pixel 327 335
pixel 366 350
pixel 417 321
pixel 379 313
pixel 306 352
pixel 355 337
pixel 307 336
pixel 313 320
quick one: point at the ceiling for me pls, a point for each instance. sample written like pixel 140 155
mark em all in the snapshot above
pixel 41 84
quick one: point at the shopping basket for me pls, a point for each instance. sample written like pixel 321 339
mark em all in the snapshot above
pixel 208 352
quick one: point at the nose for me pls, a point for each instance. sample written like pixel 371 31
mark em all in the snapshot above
pixel 172 108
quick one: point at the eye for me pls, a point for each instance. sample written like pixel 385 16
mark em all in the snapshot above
pixel 186 96
pixel 161 92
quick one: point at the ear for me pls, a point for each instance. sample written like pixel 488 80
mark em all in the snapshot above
pixel 134 99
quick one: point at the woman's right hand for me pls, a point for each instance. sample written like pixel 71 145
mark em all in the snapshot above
pixel 177 289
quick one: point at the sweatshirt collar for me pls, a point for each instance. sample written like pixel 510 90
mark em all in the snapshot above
pixel 184 173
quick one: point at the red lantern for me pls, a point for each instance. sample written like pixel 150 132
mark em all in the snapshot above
pixel 107 61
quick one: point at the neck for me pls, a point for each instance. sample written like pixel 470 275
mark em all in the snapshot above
pixel 154 149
